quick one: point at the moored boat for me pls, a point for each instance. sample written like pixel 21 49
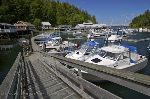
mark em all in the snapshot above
pixel 84 51
pixel 118 57
pixel 115 56
pixel 115 38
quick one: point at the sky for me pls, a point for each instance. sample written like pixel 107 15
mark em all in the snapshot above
pixel 112 12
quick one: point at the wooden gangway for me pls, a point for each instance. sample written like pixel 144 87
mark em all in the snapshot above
pixel 35 77
pixel 43 83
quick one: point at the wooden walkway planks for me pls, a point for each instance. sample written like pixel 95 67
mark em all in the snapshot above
pixel 45 84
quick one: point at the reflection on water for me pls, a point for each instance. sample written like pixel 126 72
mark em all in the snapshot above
pixel 7 57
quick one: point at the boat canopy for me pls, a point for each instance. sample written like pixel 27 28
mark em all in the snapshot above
pixel 114 49
pixel 56 38
pixel 131 48
pixel 91 43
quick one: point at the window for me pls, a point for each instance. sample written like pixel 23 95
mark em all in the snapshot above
pixel 96 60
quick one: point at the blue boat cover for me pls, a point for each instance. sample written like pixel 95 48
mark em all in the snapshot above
pixel 132 61
pixel 120 32
pixel 131 48
pixel 91 43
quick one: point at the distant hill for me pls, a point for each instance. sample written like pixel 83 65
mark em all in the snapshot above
pixel 35 11
pixel 142 20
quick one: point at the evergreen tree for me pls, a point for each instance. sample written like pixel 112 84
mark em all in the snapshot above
pixel 35 11
pixel 142 20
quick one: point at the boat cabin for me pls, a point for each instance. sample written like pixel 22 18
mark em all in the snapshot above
pixel 114 55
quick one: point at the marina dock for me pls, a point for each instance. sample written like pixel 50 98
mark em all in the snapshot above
pixel 42 75
pixel 137 40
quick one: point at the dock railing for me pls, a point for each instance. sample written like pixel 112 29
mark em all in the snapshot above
pixel 11 85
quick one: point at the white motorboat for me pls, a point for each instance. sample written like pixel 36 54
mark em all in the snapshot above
pixel 115 38
pixel 77 33
pixel 115 56
pixel 59 48
pixel 98 33
pixel 45 38
pixel 119 57
pixel 84 52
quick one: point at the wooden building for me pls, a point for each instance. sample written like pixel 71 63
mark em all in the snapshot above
pixel 7 28
pixel 24 26
pixel 46 25
pixel 64 27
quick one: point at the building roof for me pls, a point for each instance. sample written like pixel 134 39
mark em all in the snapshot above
pixel 64 26
pixel 89 25
pixel 21 23
pixel 45 23
pixel 6 24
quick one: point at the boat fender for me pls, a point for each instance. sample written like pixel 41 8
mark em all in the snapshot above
pixel 140 57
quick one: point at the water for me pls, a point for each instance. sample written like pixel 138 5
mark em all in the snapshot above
pixel 7 59
pixel 124 92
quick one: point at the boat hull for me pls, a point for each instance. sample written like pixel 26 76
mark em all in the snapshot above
pixel 137 67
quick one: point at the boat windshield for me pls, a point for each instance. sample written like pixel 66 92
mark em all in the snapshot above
pixel 87 48
pixel 112 56
pixel 101 53
pixel 108 55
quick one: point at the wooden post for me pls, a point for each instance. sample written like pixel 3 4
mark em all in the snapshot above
pixel 80 75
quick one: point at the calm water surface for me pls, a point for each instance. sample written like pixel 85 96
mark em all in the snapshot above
pixel 123 92
pixel 7 59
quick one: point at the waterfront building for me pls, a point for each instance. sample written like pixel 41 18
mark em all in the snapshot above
pixel 46 25
pixel 64 27
pixel 24 26
pixel 7 28
pixel 90 25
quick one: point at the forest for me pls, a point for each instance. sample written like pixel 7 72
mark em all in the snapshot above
pixel 37 11
pixel 142 20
